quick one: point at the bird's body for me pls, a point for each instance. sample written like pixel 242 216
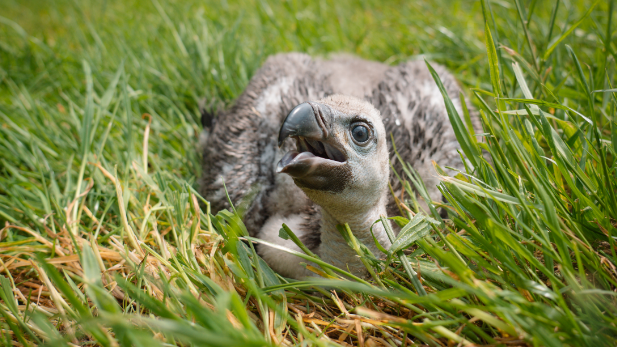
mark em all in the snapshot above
pixel 241 150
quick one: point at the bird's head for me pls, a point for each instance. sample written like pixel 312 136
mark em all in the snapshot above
pixel 341 155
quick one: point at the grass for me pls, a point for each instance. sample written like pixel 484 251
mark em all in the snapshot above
pixel 104 240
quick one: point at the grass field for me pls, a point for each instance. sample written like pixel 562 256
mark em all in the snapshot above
pixel 104 240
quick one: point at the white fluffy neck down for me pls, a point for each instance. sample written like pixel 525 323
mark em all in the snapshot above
pixel 333 248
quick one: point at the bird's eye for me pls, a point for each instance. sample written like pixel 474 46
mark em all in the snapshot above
pixel 360 133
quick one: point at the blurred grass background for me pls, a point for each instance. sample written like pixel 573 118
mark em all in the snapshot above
pixel 79 187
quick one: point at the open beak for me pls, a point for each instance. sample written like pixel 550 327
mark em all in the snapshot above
pixel 316 152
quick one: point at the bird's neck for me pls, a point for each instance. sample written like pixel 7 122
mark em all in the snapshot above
pixel 334 249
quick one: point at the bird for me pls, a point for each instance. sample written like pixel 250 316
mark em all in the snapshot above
pixel 310 143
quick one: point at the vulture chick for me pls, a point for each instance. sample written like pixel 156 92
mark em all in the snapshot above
pixel 330 163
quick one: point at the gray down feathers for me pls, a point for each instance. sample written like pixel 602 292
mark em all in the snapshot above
pixel 240 149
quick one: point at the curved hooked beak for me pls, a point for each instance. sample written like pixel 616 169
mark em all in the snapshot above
pixel 302 121
pixel 309 124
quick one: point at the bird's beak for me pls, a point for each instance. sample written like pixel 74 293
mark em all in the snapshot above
pixel 318 162
pixel 304 120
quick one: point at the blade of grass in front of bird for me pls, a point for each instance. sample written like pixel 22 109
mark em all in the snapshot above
pixel 324 265
pixel 457 124
pixel 413 276
pixel 360 250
